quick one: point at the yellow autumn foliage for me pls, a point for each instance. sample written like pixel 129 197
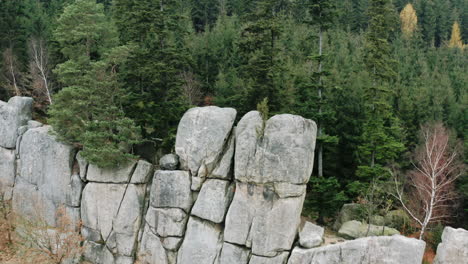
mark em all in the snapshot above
pixel 455 39
pixel 409 20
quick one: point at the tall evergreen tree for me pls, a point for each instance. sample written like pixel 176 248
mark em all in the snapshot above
pixel 152 74
pixel 455 38
pixel 322 14
pixel 381 137
pixel 261 64
pixel 87 112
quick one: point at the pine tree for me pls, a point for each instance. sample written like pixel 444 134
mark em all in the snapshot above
pixel 261 64
pixel 322 14
pixel 87 111
pixel 381 131
pixel 409 21
pixel 455 39
pixel 152 74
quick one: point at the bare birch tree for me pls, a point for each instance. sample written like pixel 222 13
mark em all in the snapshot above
pixel 39 68
pixel 11 70
pixel 437 164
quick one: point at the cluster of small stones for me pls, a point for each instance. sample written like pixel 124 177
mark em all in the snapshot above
pixel 229 194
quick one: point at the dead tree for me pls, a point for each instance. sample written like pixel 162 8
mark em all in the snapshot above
pixel 11 70
pixel 437 164
pixel 39 67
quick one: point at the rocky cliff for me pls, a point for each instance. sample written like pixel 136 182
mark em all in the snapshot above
pixel 231 194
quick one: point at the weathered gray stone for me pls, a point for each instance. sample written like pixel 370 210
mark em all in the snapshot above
pixel 213 201
pixel 281 258
pixel 233 254
pixel 119 174
pixel 258 219
pixel 197 183
pixel 34 124
pixel 169 162
pixel 45 164
pixel 201 137
pixel 151 250
pixel 171 189
pixel 7 172
pixel 91 235
pixel 355 229
pixel 142 173
pixel 454 247
pixel 167 221
pixel 310 235
pixel 347 213
pixel 224 168
pixel 115 211
pixel 171 243
pixel 369 250
pixel 97 253
pixel 284 153
pixel 15 113
pixel 199 233
pixel 73 194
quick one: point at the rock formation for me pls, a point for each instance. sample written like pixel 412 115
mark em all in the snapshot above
pixel 229 195
pixel 454 247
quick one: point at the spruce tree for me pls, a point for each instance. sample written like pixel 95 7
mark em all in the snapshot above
pixel 321 14
pixel 261 65
pixel 152 73
pixel 381 136
pixel 87 112
pixel 455 38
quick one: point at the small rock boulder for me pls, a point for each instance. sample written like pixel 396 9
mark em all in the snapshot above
pixel 454 247
pixel 310 235
pixel 169 162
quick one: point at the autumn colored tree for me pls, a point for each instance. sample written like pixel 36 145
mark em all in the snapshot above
pixel 431 192
pixel 455 39
pixel 409 21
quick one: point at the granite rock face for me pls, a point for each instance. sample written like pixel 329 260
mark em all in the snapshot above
pixel 45 168
pixel 369 250
pixel 201 136
pixel 454 247
pixel 235 198
pixel 14 114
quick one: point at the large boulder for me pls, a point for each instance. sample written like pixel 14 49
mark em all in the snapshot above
pixel 45 167
pixel 14 114
pixel 370 250
pixel 454 247
pixel 7 172
pixel 233 254
pixel 283 152
pixel 169 162
pixel 356 229
pixel 202 135
pixel 348 212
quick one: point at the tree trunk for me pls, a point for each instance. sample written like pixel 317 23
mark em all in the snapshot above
pixel 319 123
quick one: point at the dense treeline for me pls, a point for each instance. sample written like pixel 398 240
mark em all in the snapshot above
pixel 370 72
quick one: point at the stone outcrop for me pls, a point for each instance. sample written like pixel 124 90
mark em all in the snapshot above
pixel 13 115
pixel 229 195
pixel 454 247
pixel 369 250
pixel 356 229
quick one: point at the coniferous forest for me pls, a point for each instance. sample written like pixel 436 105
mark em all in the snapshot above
pixel 109 74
